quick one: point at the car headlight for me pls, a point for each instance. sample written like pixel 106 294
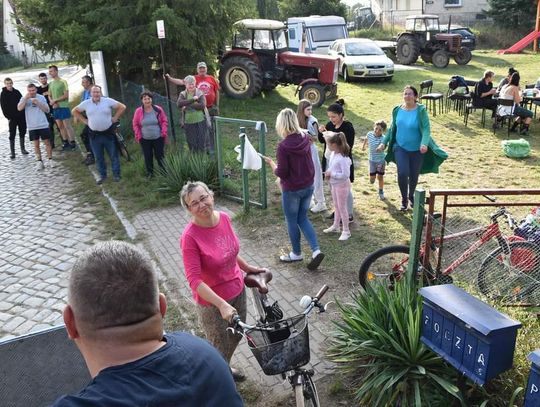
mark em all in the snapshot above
pixel 358 66
pixel 390 66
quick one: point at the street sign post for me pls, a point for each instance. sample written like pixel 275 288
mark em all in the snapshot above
pixel 160 25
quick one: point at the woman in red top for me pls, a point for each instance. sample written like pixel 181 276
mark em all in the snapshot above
pixel 214 269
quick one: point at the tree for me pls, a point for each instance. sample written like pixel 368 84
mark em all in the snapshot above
pixel 304 8
pixel 519 15
pixel 268 9
pixel 125 30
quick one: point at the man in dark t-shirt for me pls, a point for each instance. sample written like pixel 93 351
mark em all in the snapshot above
pixel 114 315
pixel 43 89
pixel 483 95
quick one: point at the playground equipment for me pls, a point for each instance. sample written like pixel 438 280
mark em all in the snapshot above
pixel 532 36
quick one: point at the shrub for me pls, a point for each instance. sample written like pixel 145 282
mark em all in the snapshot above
pixel 378 344
pixel 8 61
pixel 181 167
pixel 490 36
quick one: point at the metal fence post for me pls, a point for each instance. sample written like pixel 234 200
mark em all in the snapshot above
pixel 416 236
pixel 262 150
pixel 219 154
pixel 245 175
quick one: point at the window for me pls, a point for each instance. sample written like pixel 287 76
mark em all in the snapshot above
pixel 292 33
pixel 452 3
pixel 327 33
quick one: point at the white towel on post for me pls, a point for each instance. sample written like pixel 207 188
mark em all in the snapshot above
pixel 252 160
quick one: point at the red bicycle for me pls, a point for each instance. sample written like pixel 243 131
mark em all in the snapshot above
pixel 511 271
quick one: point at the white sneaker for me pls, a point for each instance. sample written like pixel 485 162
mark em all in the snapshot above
pixel 331 229
pixel 50 163
pixel 345 236
pixel 319 207
pixel 39 165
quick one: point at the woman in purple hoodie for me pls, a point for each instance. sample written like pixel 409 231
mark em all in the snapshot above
pixel 295 169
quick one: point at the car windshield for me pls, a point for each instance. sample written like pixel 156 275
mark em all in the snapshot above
pixel 361 48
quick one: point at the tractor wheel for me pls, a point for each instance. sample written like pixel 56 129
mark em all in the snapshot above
pixel 313 92
pixel 463 56
pixel 407 50
pixel 440 58
pixel 427 58
pixel 240 78
pixel 346 76
pixel 331 91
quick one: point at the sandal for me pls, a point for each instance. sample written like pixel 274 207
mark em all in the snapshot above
pixel 315 261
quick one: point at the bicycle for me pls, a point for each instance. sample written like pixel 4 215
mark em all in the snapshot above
pixel 121 143
pixel 281 346
pixel 511 270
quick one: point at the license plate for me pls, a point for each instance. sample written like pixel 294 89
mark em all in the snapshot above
pixel 376 72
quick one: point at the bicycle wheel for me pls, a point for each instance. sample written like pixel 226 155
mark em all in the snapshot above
pixel 512 277
pixel 122 146
pixel 384 266
pixel 306 394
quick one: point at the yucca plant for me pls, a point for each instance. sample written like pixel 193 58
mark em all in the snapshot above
pixel 181 167
pixel 378 343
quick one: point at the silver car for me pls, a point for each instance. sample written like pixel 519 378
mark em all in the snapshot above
pixel 361 58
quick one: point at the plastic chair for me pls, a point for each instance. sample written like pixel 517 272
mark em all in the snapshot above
pixel 470 107
pixel 505 117
pixel 430 97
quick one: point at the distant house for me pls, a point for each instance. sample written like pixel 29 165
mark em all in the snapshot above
pixel 394 12
pixel 14 44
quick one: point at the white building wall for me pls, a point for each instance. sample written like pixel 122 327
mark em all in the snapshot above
pixel 14 44
pixel 394 12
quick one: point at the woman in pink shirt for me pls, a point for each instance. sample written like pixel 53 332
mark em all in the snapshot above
pixel 213 268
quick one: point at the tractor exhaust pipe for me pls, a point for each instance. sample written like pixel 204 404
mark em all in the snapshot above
pixel 449 23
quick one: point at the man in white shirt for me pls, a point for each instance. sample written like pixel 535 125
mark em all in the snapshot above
pixel 101 123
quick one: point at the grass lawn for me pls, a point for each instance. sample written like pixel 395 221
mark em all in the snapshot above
pixel 476 161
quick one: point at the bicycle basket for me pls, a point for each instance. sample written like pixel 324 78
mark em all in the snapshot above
pixel 281 355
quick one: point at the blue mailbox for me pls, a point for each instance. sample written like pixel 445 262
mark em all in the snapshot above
pixel 532 396
pixel 473 337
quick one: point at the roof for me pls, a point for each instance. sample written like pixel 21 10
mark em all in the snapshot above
pixel 422 16
pixel 259 24
pixel 348 40
pixel 314 21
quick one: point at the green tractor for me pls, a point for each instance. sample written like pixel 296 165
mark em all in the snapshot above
pixel 423 38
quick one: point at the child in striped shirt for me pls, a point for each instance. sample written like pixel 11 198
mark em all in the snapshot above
pixel 377 164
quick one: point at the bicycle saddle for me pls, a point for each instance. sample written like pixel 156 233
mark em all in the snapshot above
pixel 258 280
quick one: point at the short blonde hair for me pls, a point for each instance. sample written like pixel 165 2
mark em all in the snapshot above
pixel 287 123
pixel 189 187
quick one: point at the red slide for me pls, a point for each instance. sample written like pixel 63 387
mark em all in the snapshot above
pixel 522 43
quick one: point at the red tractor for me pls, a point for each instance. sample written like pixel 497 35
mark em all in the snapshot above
pixel 260 60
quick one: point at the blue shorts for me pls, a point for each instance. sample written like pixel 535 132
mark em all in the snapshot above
pixel 61 113
pixel 44 134
pixel 377 167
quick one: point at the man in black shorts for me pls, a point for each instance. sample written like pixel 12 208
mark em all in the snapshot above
pixel 35 110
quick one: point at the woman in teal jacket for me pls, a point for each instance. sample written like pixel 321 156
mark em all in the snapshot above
pixel 410 145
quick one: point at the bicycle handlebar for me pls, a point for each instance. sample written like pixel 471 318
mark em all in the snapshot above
pixel 237 325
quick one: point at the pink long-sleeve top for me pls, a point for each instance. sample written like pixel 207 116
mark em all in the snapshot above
pixel 138 117
pixel 210 256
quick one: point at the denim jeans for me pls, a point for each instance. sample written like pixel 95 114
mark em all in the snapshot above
pixel 408 165
pixel 99 143
pixel 295 207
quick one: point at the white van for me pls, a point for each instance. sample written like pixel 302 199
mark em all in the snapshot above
pixel 314 34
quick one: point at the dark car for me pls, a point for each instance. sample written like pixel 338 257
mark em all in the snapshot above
pixel 468 39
